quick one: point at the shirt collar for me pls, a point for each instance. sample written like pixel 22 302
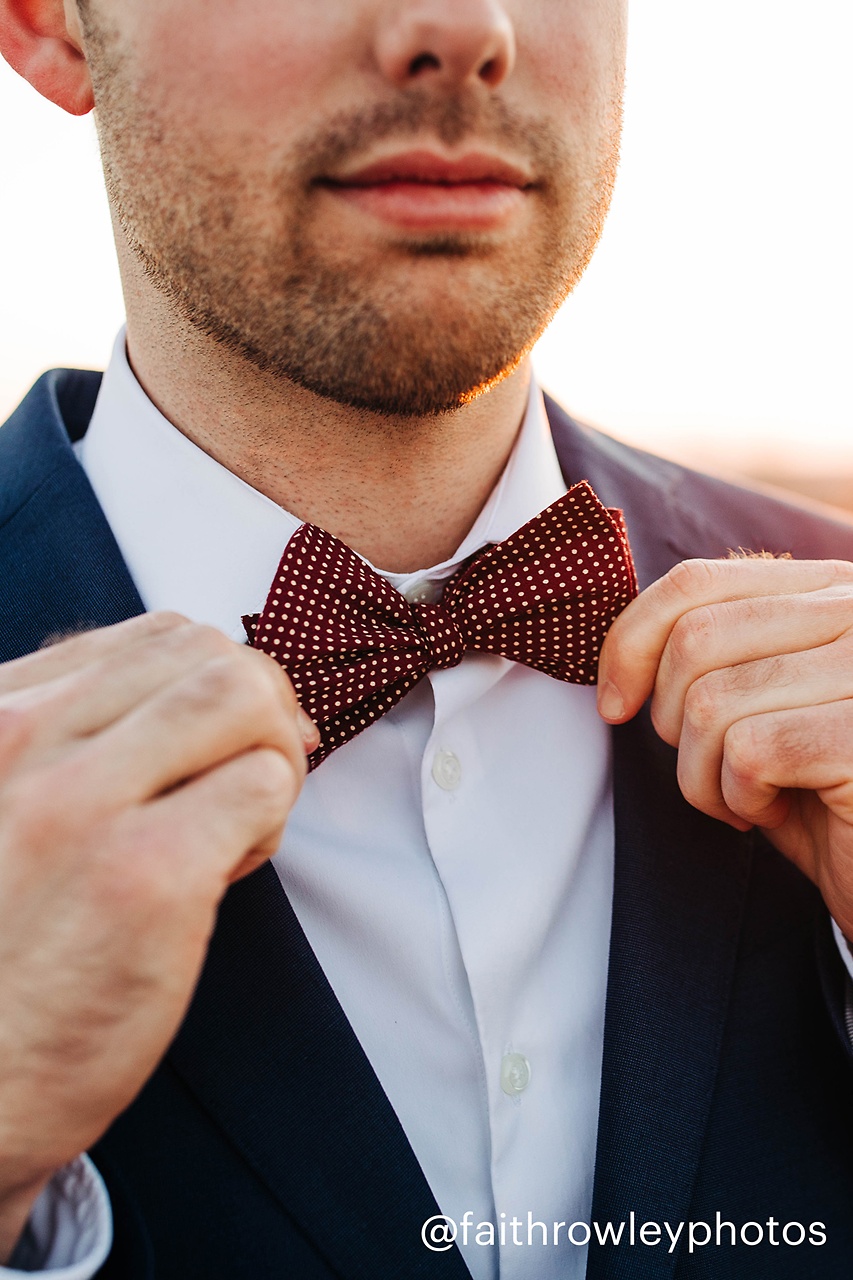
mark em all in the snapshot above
pixel 198 540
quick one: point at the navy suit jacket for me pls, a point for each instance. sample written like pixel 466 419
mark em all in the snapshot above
pixel 264 1147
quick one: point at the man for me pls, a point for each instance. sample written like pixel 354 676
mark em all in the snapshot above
pixel 580 992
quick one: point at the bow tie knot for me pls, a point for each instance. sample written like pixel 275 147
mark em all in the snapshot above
pixel 442 639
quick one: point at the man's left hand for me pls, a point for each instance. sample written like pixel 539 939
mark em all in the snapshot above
pixel 750 664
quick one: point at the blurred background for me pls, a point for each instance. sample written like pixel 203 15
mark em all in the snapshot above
pixel 714 325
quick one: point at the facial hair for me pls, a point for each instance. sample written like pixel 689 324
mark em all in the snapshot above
pixel 234 246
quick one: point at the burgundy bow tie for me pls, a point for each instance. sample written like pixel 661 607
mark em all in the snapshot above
pixel 353 646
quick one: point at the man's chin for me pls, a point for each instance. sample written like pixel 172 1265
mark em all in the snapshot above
pixel 394 393
pixel 429 357
pixel 411 338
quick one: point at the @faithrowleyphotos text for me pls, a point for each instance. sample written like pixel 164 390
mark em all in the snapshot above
pixel 440 1233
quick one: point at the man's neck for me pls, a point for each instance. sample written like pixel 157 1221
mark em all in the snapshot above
pixel 403 492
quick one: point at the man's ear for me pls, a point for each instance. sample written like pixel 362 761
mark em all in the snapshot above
pixel 42 40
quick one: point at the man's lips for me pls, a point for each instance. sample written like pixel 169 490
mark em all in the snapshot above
pixel 426 167
pixel 421 191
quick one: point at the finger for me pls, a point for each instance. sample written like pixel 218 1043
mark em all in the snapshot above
pixel 91 697
pixel 230 705
pixel 87 700
pixel 227 821
pixel 807 748
pixel 720 699
pixel 71 654
pixel 636 641
pixel 716 637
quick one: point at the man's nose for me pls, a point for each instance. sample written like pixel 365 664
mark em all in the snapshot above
pixel 446 42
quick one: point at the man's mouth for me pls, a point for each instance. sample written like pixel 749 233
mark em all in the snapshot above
pixel 423 191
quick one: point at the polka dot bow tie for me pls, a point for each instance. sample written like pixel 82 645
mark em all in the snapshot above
pixel 353 646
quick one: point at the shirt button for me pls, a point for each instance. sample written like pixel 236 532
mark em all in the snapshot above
pixel 515 1074
pixel 446 770
pixel 422 593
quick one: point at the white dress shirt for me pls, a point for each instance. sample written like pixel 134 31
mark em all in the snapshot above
pixel 452 866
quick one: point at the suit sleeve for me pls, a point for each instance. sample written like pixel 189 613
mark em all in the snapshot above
pixel 132 1255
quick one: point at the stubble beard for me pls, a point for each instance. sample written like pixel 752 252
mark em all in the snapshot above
pixel 235 251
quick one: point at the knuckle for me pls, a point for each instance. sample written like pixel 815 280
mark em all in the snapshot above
pixel 703 700
pixel 200 641
pixel 212 639
pixel 743 749
pixel 216 682
pixel 271 782
pixel 276 678
pixel 170 634
pixel 273 689
pixel 687 782
pixel 160 620
pixel 264 684
pixel 225 685
pixel 155 629
pixel 690 578
pixel 272 773
pixel 664 721
pixel 693 635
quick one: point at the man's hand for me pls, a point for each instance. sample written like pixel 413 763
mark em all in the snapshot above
pixel 750 662
pixel 142 769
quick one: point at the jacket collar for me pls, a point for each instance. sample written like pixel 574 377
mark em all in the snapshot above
pixel 266 1046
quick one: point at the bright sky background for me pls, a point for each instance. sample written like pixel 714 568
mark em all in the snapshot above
pixel 715 322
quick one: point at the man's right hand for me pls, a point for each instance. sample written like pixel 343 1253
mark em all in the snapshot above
pixel 143 768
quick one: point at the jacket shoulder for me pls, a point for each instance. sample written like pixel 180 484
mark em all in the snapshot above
pixel 716 514
pixel 36 440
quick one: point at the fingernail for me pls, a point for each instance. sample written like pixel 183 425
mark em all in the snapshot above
pixel 610 703
pixel 308 729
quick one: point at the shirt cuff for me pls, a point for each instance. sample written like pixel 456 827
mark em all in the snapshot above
pixel 847 956
pixel 70 1229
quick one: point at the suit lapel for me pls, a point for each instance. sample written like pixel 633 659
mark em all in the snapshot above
pixel 60 568
pixel 266 1046
pixel 679 892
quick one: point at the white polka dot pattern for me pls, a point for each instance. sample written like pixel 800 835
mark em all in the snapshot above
pixel 353 646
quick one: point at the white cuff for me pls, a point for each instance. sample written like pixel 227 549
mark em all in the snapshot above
pixel 70 1230
pixel 844 948
pixel 847 957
